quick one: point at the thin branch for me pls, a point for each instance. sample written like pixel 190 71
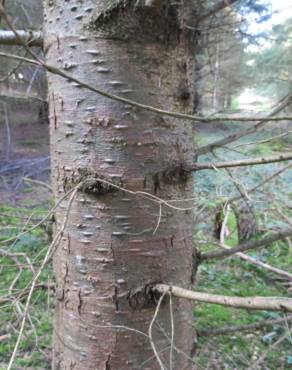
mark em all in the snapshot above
pixel 266 266
pixel 159 219
pixel 51 248
pixel 264 140
pixel 162 367
pixel 37 182
pixel 23 293
pixel 17 36
pixel 247 327
pixel 258 263
pixel 233 137
pixel 252 244
pixel 32 38
pixel 241 162
pixel 149 108
pixel 251 303
pixel 12 71
pixel 260 184
pixel 172 333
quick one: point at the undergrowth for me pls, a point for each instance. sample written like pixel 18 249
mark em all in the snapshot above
pixel 232 276
pixel 29 248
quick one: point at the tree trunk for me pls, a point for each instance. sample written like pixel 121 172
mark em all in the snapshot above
pixel 216 78
pixel 109 254
pixel 246 221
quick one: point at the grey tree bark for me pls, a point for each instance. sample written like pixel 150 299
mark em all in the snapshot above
pixel 109 255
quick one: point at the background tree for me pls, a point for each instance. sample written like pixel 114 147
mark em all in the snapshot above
pixel 272 61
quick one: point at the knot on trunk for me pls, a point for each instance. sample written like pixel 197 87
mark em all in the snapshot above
pixel 143 296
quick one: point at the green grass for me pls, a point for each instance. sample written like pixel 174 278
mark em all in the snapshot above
pixel 35 347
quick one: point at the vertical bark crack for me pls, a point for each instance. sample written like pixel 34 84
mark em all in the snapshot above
pixel 107 364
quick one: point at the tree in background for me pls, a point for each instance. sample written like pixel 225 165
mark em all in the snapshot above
pixel 271 63
pixel 17 76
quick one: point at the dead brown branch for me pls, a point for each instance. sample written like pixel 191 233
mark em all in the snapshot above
pixel 243 247
pixel 251 303
pixel 241 162
pixel 32 38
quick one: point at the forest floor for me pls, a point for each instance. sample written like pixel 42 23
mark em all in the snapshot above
pixel 254 349
pixel 24 153
pixel 23 204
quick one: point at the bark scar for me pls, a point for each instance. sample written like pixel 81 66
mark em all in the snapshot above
pixel 116 298
pixel 107 364
pixel 54 112
pixel 172 240
pixel 79 302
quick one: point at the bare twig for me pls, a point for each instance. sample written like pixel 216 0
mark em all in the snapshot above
pixel 264 140
pixel 241 162
pixel 51 248
pixel 23 293
pixel 266 266
pixel 32 38
pixel 14 257
pixel 17 36
pixel 172 332
pixel 162 367
pixel 37 182
pixel 247 245
pixel 252 303
pixel 158 220
pixel 239 328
